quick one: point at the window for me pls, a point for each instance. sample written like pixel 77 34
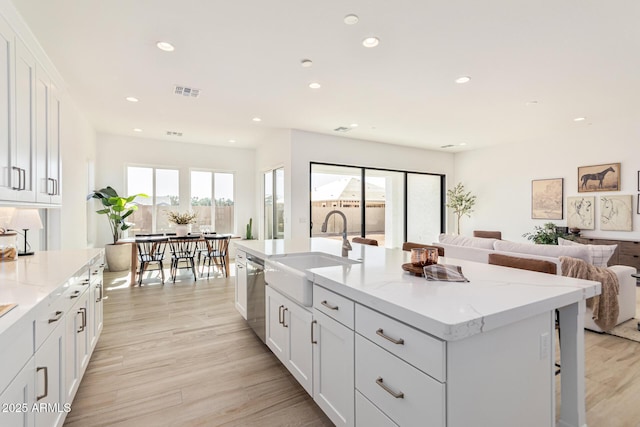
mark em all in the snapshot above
pixel 274 204
pixel 162 187
pixel 212 198
pixel 391 207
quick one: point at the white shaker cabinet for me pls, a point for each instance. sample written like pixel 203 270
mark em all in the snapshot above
pixel 50 380
pixel 241 283
pixel 78 341
pixel 289 336
pixel 20 397
pixel 9 177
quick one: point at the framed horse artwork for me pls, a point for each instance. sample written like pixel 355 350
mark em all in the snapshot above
pixel 599 178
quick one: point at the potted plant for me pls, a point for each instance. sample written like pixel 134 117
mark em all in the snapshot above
pixel 117 209
pixel 182 221
pixel 461 202
pixel 546 235
pixel 249 233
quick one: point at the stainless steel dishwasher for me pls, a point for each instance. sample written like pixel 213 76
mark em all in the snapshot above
pixel 256 296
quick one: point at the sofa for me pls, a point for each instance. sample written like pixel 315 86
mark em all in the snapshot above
pixel 478 249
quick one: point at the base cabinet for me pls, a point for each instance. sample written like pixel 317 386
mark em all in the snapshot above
pixel 289 336
pixel 49 383
pixel 19 398
pixel 241 283
pixel 333 369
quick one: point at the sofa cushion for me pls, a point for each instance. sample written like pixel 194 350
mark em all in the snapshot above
pixel 600 254
pixel 474 242
pixel 555 251
pixel 523 263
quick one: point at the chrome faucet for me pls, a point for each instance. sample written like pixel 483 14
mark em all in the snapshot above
pixel 346 246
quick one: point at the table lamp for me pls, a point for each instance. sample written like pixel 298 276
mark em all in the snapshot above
pixel 26 219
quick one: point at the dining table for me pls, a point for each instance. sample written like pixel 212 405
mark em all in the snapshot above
pixel 134 248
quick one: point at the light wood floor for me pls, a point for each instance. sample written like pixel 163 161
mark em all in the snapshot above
pixel 180 355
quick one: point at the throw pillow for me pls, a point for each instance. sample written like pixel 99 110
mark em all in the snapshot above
pixel 474 242
pixel 600 254
pixel 554 251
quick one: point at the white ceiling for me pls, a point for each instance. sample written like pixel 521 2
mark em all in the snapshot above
pixel 576 58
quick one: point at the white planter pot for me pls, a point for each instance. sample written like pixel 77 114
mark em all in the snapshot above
pixel 118 256
pixel 182 229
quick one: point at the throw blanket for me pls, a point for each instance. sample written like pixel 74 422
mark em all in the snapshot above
pixel 605 306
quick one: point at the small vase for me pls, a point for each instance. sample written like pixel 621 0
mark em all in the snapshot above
pixel 182 230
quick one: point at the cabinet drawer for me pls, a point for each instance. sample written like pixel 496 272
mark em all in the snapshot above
pixel 368 415
pixel 630 248
pixel 403 393
pixel 630 260
pixel 241 257
pixel 411 345
pixel 334 305
pixel 50 313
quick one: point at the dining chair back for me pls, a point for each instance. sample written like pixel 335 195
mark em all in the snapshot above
pixel 365 241
pixel 151 251
pixel 218 245
pixel 183 249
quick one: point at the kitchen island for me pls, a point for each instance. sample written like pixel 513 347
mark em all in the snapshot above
pixel 379 346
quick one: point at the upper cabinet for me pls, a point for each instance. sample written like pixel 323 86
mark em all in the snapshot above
pixel 30 145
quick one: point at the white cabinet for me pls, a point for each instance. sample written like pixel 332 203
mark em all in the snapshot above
pixel 241 283
pixel 25 152
pixel 333 369
pixel 19 398
pixel 95 300
pixel 289 336
pixel 9 177
pixel 49 384
pixel 78 340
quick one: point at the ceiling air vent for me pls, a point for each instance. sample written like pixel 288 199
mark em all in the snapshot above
pixel 189 92
pixel 447 146
pixel 173 133
pixel 342 129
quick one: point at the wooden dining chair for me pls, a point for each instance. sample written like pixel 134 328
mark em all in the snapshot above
pixel 365 241
pixel 488 234
pixel 183 249
pixel 218 245
pixel 151 251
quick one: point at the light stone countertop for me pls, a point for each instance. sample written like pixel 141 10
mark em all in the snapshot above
pixel 31 279
pixel 494 297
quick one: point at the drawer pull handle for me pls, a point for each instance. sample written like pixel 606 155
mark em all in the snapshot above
pixel 56 317
pixel 83 312
pixel 329 306
pixel 313 340
pixel 283 318
pixel 75 294
pixel 46 382
pixel 397 395
pixel 99 288
pixel 387 337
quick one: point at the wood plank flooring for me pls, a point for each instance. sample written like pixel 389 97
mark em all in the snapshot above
pixel 181 355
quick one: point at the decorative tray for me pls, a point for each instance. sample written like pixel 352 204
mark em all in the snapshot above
pixel 412 269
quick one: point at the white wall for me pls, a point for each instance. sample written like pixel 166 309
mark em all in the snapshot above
pixel 309 147
pixel 501 176
pixel 115 153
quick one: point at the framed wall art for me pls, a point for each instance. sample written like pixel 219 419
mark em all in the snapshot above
pixel 638 182
pixel 581 212
pixel 616 213
pixel 546 198
pixel 599 178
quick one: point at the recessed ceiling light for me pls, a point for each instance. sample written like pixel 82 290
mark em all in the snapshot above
pixel 166 46
pixel 463 79
pixel 531 103
pixel 131 99
pixel 579 119
pixel 315 85
pixel 371 42
pixel 463 143
pixel 232 141
pixel 351 19
pixel 137 130
pixel 306 63
pixel 353 125
pixel 257 119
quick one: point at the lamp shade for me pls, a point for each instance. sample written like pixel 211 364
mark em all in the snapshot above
pixel 26 219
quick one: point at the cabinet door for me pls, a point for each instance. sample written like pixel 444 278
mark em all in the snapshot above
pixel 97 313
pixel 299 352
pixel 50 380
pixel 44 186
pixel 18 398
pixel 276 332
pixel 25 121
pixel 54 159
pixel 9 177
pixel 333 369
pixel 241 289
pixel 77 344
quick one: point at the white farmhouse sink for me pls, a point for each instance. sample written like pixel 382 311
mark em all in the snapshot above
pixel 287 273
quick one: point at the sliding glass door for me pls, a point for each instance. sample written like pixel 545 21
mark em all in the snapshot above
pixel 388 206
pixel 274 204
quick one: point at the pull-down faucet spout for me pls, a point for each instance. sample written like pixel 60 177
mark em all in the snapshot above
pixel 346 246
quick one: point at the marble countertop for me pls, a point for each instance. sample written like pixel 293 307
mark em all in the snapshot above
pixel 494 296
pixel 31 279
